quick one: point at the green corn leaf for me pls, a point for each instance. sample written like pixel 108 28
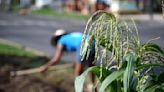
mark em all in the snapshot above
pixel 112 87
pixel 154 48
pixel 148 85
pixel 79 81
pixel 128 74
pixel 156 82
pixel 115 86
pixel 119 85
pixel 134 83
pixel 112 77
pixel 152 89
pixel 149 65
pixel 104 73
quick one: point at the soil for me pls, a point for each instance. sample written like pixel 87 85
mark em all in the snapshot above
pixel 54 81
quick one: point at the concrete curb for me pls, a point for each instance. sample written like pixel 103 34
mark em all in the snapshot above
pixel 143 17
pixel 23 47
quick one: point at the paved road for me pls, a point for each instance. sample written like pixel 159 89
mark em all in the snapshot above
pixel 35 31
pixel 152 29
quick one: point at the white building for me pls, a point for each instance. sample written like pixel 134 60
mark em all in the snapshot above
pixel 124 6
pixel 42 3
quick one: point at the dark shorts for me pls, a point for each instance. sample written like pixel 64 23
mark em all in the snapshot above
pixel 90 57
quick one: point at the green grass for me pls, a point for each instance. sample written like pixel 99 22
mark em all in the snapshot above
pixel 50 12
pixel 12 50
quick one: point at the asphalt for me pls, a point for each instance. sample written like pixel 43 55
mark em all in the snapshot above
pixel 35 31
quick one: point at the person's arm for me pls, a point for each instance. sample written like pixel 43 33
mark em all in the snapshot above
pixel 55 59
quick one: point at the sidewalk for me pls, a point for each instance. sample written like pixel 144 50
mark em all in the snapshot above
pixel 143 17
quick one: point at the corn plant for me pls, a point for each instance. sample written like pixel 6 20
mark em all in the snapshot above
pixel 125 64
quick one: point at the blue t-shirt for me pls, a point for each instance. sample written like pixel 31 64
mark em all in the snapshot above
pixel 71 41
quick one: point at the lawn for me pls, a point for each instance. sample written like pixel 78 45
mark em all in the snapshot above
pixel 50 12
pixel 12 50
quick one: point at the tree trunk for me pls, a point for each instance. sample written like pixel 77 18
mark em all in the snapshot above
pixel 163 7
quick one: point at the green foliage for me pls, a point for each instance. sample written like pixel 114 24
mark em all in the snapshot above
pixel 154 48
pixel 118 47
pixel 128 74
pixel 155 85
pixel 51 12
pixel 109 79
pixel 79 81
pixel 11 50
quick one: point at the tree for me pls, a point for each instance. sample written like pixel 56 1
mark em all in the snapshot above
pixel 163 7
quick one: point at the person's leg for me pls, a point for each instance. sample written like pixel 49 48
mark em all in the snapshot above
pixel 92 76
pixel 78 69
pixel 90 64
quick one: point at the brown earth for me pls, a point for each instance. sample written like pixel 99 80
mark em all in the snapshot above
pixel 53 81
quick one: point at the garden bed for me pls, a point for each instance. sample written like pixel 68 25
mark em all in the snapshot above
pixel 53 81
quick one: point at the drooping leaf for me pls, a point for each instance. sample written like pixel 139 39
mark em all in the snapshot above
pixel 112 77
pixel 128 74
pixel 79 81
pixel 115 86
pixel 153 47
pixel 152 88
pixel 149 65
pixel 104 73
pixel 112 87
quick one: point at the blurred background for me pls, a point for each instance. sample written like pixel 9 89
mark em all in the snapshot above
pixel 26 27
pixel 86 7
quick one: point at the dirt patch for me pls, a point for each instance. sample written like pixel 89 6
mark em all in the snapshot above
pixel 28 84
pixel 54 81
